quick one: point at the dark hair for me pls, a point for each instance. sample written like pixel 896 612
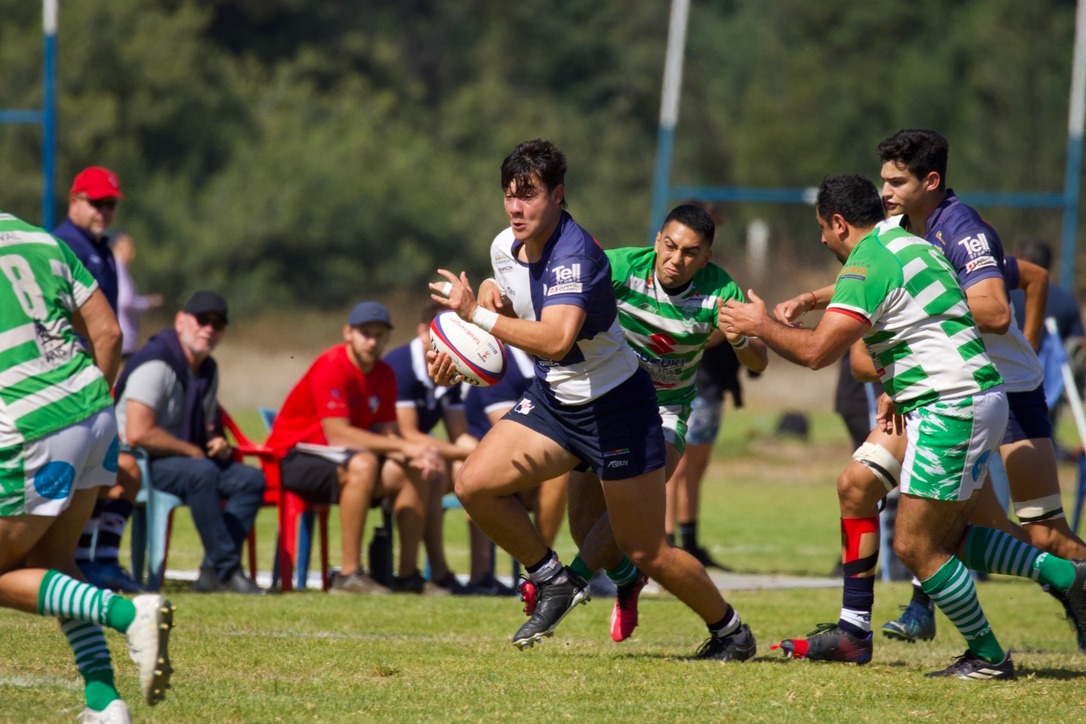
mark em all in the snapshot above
pixel 695 218
pixel 430 310
pixel 852 196
pixel 534 158
pixel 919 150
pixel 1036 251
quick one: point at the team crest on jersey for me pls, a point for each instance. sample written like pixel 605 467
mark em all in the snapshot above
pixel 524 407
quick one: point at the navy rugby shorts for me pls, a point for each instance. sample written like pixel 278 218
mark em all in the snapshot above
pixel 1029 416
pixel 619 435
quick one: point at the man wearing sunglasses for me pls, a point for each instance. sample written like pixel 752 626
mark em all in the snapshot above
pixel 91 205
pixel 167 405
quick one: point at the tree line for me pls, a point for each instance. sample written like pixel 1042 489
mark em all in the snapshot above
pixel 306 154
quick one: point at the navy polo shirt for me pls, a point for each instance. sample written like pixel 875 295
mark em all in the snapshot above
pixel 414 388
pixel 95 255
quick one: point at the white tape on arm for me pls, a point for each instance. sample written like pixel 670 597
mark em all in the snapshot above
pixel 484 318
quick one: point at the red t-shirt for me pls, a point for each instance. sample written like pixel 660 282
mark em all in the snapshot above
pixel 334 387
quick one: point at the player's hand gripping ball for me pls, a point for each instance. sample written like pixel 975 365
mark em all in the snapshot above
pixel 479 356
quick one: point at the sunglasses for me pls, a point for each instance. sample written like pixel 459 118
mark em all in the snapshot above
pixel 210 320
pixel 101 204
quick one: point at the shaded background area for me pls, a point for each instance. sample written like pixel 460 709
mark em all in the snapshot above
pixel 303 155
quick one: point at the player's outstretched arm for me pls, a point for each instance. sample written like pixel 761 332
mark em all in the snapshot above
pixel 814 348
pixel 750 352
pixel 790 310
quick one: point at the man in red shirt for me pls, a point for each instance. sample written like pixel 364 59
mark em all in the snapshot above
pixel 340 443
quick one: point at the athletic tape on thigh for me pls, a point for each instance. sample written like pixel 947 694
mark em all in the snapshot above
pixel 1039 510
pixel 885 466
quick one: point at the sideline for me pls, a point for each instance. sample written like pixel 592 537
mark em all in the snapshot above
pixel 724 581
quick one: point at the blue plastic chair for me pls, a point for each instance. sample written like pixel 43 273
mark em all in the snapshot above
pixel 152 519
pixel 152 522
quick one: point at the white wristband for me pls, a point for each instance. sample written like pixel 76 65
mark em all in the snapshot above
pixel 740 345
pixel 484 318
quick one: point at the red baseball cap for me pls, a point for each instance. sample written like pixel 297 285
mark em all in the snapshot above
pixel 97 182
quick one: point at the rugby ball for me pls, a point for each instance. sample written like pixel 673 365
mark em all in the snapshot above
pixel 479 356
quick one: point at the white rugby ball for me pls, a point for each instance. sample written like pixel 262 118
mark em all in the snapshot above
pixel 479 356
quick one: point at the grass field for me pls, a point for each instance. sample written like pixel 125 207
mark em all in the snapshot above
pixel 769 507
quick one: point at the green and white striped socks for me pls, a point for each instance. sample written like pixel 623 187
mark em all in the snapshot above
pixel 993 551
pixel 953 591
pixel 92 658
pixel 65 597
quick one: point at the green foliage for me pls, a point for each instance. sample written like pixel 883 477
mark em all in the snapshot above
pixel 306 154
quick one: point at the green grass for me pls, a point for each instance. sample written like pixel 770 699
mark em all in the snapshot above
pixel 768 508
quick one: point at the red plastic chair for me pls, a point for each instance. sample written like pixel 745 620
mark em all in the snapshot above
pixel 244 447
pixel 290 507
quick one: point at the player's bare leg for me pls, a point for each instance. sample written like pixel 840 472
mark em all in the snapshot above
pixel 550 508
pixel 860 487
pixel 636 510
pixel 1035 490
pixel 51 585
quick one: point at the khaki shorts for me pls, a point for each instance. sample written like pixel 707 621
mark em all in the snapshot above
pixel 950 444
pixel 41 476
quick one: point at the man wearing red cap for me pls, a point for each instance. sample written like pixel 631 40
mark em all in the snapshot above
pixel 91 205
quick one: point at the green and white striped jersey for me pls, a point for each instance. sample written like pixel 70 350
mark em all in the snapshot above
pixel 47 380
pixel 668 333
pixel 922 338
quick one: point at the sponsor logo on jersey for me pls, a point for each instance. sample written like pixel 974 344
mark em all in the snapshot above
pixel 981 263
pixel 853 272
pixel 524 406
pixel 51 345
pixel 661 343
pixel 375 404
pixel 976 245
pixel 565 274
pixel 569 288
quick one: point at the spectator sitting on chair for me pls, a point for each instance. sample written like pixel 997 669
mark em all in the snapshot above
pixel 339 441
pixel 92 203
pixel 166 404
